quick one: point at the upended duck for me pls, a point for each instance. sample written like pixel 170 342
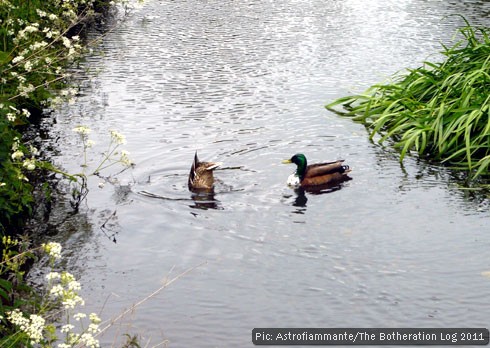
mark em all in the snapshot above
pixel 314 175
pixel 201 175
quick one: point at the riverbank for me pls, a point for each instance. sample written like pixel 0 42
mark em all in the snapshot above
pixel 39 40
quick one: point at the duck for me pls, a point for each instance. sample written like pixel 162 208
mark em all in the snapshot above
pixel 318 174
pixel 201 175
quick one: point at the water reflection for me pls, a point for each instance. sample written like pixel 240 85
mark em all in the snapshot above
pixel 301 199
pixel 110 228
pixel 204 200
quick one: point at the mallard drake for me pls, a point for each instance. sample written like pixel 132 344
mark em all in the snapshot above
pixel 318 174
pixel 201 175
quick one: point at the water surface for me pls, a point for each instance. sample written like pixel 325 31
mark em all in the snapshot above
pixel 245 83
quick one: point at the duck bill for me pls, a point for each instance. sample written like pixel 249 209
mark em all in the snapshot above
pixel 287 161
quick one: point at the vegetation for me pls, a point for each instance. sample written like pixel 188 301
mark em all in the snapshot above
pixel 440 110
pixel 60 301
pixel 38 40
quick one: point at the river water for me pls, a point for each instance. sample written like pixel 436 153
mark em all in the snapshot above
pixel 245 83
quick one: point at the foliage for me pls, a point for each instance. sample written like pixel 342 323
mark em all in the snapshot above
pixel 27 323
pixel 38 40
pixel 440 110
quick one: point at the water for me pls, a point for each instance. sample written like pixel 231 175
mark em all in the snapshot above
pixel 245 83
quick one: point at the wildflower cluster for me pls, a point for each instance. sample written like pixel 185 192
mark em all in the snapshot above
pixel 33 326
pixel 64 288
pixel 37 47
pixel 62 291
pixel 110 157
pixel 53 250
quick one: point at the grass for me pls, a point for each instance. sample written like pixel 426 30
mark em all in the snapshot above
pixel 439 110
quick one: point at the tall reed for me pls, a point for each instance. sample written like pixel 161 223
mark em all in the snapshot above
pixel 440 110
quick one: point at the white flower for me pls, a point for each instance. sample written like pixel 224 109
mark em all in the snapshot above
pixel 35 330
pixel 125 158
pixel 67 277
pixel 82 130
pixel 33 150
pixel 71 303
pixel 57 291
pixel 37 45
pixel 66 328
pixel 33 326
pixel 93 328
pixel 29 164
pixel 90 143
pixel 53 249
pixel 89 340
pixel 94 318
pixel 79 316
pixel 41 13
pixel 31 28
pixel 64 345
pixel 52 276
pixel 74 285
pixel 66 41
pixel 17 318
pixel 25 90
pixel 26 113
pixel 17 154
pixel 118 137
pixel 2 184
pixel 17 59
pixel 11 117
pixel 28 66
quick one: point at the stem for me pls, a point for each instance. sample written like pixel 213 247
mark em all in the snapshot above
pixel 107 157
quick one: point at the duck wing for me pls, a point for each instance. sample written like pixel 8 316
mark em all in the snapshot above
pixel 321 169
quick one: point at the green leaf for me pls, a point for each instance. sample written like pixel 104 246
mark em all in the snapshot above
pixel 4 57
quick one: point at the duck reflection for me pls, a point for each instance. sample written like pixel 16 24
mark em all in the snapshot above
pixel 204 200
pixel 301 198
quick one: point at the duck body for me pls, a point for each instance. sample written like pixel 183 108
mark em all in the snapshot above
pixel 318 174
pixel 201 176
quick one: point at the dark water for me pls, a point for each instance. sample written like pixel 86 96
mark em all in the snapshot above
pixel 245 82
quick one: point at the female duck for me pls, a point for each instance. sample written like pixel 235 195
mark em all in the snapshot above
pixel 318 174
pixel 201 175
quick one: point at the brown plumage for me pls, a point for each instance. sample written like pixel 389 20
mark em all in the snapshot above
pixel 201 175
pixel 318 174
